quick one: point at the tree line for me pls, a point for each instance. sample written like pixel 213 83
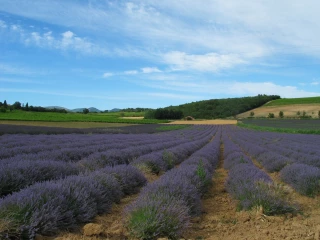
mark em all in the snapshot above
pixel 4 106
pixel 213 108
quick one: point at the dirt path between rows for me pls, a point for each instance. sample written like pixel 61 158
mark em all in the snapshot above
pixel 220 219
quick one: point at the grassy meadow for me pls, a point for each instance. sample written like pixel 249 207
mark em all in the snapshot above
pixel 117 117
pixel 291 101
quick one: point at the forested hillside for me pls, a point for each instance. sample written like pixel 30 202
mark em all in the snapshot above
pixel 222 108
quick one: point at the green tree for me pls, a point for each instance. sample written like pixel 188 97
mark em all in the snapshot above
pixel 5 105
pixel 85 111
pixel 27 107
pixel 251 114
pixel 281 115
pixel 17 105
pixel 271 115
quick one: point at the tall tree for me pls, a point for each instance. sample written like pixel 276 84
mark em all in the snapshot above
pixel 5 105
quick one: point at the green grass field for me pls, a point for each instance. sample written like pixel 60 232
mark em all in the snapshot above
pixel 18 115
pixel 290 101
pixel 279 129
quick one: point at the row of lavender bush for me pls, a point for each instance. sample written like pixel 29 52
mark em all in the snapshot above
pixel 251 186
pixel 164 207
pixel 16 173
pixel 285 153
pixel 48 207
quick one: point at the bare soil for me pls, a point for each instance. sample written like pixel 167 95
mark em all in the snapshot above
pixel 288 110
pixel 220 218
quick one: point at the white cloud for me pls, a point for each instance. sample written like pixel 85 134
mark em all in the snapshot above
pixel 315 83
pixel 150 70
pixel 250 88
pixel 211 62
pixel 131 72
pixel 107 74
pixel 67 41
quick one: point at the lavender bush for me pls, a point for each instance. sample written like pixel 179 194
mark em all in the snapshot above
pixel 254 188
pixel 17 175
pixel 303 178
pixel 129 177
pixel 157 215
pixel 48 207
pixel 164 207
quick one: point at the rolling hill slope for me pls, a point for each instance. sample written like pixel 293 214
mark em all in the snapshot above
pixel 291 107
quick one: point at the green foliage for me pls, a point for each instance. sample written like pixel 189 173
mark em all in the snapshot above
pixel 222 108
pixel 163 113
pixel 149 114
pixel 271 115
pixel 290 101
pixel 298 113
pixel 201 173
pixel 85 110
pixel 318 114
pixel 3 110
pixel 5 105
pixel 281 115
pixel 278 129
pixel 20 115
pixel 251 114
pixel 17 105
pixel 168 158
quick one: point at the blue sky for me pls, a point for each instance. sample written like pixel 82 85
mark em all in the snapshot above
pixel 118 54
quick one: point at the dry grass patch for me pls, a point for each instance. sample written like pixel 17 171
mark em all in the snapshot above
pixel 288 110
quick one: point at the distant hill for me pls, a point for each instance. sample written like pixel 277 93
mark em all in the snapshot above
pixel 222 108
pixel 91 109
pixel 291 107
pixel 115 110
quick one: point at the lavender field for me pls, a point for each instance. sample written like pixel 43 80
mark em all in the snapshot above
pixel 53 183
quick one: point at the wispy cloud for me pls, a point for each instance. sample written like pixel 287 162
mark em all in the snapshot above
pixel 107 74
pixel 15 80
pixel 16 70
pixel 210 62
pixel 131 72
pixel 150 70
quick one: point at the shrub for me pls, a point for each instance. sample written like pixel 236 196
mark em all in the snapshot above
pixel 281 115
pixel 50 206
pixel 251 114
pixel 271 115
pixel 254 188
pixel 129 177
pixel 303 178
pixel 158 215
